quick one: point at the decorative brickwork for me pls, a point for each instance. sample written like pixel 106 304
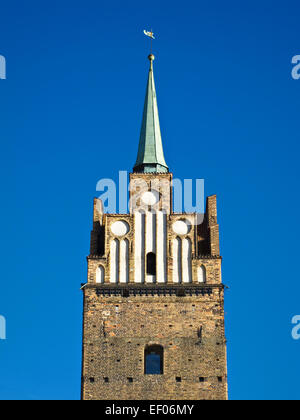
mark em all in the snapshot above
pixel 187 319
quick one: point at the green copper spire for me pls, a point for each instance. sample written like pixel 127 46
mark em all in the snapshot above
pixel 150 155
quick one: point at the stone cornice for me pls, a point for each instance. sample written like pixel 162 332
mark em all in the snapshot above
pixel 208 257
pixel 128 290
pixel 197 257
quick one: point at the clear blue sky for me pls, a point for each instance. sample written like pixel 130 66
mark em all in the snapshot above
pixel 70 112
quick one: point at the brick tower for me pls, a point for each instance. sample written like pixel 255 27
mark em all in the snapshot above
pixel 154 302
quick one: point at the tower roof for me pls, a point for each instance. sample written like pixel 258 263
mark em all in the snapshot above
pixel 150 155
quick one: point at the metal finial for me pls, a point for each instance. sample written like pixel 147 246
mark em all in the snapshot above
pixel 151 57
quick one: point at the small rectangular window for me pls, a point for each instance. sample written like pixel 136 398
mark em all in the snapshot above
pixel 220 379
pixel 178 379
pixel 154 360
pixel 151 264
pixel 201 379
pixel 130 380
pixel 106 380
pixel 92 380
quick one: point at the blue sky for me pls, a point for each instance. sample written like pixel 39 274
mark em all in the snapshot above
pixel 70 112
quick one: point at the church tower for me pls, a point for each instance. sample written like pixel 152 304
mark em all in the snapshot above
pixel 153 324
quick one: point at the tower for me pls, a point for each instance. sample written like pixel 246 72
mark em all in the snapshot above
pixel 153 324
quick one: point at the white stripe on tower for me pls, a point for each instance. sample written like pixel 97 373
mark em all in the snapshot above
pixel 161 247
pixel 187 260
pixel 177 258
pixel 139 248
pixel 150 240
pixel 114 261
pixel 124 261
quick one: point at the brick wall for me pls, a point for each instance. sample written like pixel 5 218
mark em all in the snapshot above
pixel 117 330
pixel 187 319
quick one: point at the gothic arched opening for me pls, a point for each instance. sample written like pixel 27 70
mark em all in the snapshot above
pixel 154 360
pixel 202 274
pixel 151 264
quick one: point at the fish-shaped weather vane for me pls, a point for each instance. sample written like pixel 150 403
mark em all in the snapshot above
pixel 150 34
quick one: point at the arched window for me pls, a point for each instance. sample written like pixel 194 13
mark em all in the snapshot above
pixel 202 274
pixel 154 360
pixel 100 274
pixel 151 264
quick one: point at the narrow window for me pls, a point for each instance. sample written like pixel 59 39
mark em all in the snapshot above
pixel 106 380
pixel 100 274
pixel 154 360
pixel 201 274
pixel 220 379
pixel 201 379
pixel 92 380
pixel 151 264
pixel 130 380
pixel 178 379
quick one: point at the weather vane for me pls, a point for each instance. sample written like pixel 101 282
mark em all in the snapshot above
pixel 150 34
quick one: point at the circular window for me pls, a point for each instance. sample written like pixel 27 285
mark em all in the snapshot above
pixel 182 227
pixel 120 228
pixel 150 198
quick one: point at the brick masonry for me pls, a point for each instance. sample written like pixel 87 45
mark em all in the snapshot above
pixel 187 319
